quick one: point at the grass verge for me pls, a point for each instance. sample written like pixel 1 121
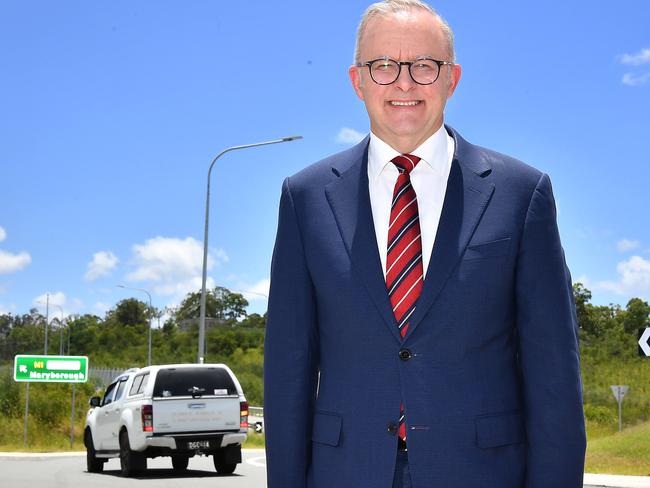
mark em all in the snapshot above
pixel 611 452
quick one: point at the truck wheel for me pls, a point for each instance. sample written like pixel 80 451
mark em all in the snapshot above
pixel 179 463
pixel 131 462
pixel 224 468
pixel 93 463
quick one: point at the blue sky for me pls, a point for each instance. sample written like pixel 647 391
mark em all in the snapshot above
pixel 112 112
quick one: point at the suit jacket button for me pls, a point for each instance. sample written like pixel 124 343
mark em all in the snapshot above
pixel 405 354
pixel 392 428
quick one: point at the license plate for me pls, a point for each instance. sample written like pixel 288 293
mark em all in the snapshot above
pixel 198 445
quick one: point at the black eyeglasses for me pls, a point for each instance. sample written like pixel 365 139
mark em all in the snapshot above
pixel 423 71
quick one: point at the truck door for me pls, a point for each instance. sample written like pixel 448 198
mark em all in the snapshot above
pixel 101 418
pixel 112 416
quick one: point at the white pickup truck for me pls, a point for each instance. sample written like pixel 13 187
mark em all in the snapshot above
pixel 177 410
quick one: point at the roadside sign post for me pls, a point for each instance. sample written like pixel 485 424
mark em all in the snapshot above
pixel 26 413
pixel 50 369
pixel 74 386
pixel 619 392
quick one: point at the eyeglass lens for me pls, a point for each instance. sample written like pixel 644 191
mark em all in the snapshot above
pixel 386 71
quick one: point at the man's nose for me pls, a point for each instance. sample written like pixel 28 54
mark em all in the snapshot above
pixel 404 81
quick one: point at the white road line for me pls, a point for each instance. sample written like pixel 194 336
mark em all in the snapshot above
pixel 259 462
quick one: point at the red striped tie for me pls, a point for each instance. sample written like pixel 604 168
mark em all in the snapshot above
pixel 404 272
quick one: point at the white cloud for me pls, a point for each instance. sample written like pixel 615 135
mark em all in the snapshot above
pixel 625 245
pixel 101 307
pixel 10 263
pixel 258 291
pixel 631 79
pixel 633 278
pixel 642 57
pixel 349 136
pixel 59 304
pixel 56 300
pixel 584 279
pixel 173 265
pixel 179 289
pixel 103 264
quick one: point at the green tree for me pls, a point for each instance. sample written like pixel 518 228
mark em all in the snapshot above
pixel 27 334
pixel 220 303
pixel 590 318
pixel 6 321
pixel 253 321
pixel 130 312
pixel 636 316
pixel 83 331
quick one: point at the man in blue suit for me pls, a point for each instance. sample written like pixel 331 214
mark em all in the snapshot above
pixel 421 328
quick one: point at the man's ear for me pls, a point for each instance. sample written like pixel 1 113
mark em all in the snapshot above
pixel 357 82
pixel 453 79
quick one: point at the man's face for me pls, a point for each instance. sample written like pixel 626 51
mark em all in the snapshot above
pixel 404 114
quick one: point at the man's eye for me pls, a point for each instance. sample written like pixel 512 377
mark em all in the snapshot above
pixel 423 66
pixel 384 66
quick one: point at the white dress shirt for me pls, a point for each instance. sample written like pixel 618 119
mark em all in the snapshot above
pixel 429 180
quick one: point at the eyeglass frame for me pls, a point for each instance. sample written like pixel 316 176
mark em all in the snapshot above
pixel 404 63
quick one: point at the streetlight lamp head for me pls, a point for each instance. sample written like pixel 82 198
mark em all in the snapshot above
pixel 291 138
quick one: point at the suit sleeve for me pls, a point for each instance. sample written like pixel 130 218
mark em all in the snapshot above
pixel 290 355
pixel 548 351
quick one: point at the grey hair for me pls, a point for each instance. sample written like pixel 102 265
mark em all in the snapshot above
pixel 392 7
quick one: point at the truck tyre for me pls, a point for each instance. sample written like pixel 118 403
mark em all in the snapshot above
pixel 179 463
pixel 93 463
pixel 131 462
pixel 224 468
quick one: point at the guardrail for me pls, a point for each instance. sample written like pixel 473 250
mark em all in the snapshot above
pixel 256 419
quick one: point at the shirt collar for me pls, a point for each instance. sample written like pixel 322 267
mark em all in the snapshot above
pixel 432 151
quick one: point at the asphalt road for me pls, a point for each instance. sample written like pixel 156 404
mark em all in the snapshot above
pixel 69 471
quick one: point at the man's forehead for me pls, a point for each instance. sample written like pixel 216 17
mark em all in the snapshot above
pixel 418 32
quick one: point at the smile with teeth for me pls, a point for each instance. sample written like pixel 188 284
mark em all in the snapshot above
pixel 399 103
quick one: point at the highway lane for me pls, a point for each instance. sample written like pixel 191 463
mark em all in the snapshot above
pixel 69 471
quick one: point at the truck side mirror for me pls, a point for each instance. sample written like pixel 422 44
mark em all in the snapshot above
pixel 94 401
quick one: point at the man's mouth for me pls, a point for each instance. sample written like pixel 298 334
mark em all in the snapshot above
pixel 400 103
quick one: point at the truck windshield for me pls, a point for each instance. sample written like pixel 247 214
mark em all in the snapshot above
pixel 196 382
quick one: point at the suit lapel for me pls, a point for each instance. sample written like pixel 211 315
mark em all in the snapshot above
pixel 467 196
pixel 349 199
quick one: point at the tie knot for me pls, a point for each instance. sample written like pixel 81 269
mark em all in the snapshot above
pixel 406 162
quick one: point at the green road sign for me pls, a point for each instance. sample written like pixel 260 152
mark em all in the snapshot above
pixel 51 369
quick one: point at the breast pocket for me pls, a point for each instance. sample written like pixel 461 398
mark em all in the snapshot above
pixel 491 249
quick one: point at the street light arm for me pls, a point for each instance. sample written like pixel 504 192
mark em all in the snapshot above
pixel 201 351
pixel 137 289
pixel 245 146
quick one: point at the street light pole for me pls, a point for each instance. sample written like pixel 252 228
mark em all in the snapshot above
pixel 60 330
pixel 201 351
pixel 47 319
pixel 150 317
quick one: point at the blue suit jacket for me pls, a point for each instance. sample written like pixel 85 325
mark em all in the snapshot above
pixel 492 388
